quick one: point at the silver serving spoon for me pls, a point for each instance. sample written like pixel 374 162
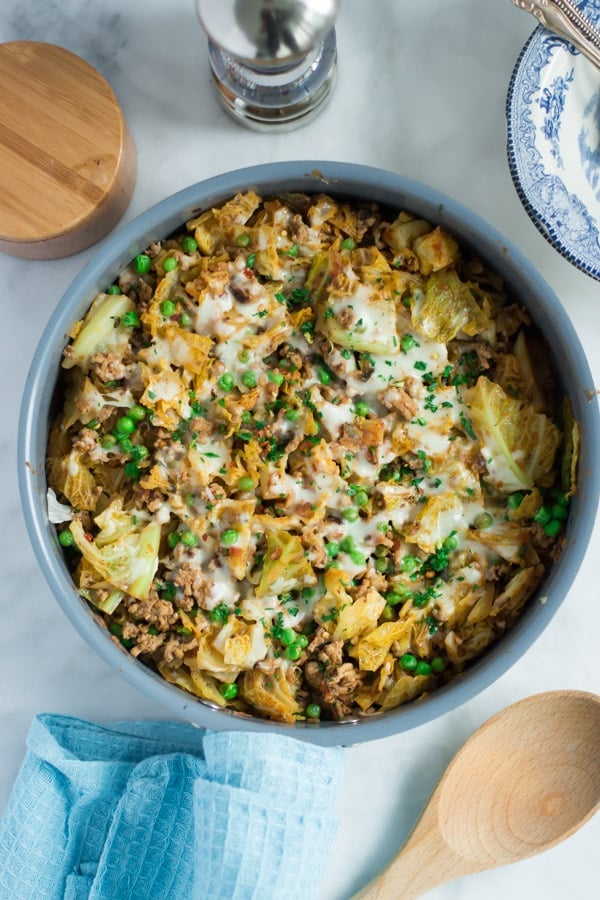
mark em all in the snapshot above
pixel 563 18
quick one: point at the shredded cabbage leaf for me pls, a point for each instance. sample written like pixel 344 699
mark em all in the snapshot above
pixel 446 307
pixel 518 443
pixel 124 552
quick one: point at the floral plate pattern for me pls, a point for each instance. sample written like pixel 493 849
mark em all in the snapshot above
pixel 553 116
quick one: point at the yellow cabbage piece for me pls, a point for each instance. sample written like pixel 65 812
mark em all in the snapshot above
pixel 518 444
pixel 359 617
pixel 405 688
pixel 436 519
pixel 125 551
pixel 74 479
pixel 285 565
pixel 435 250
pixel 571 450
pixel 272 694
pixel 518 591
pixel 510 540
pixel 194 681
pixel 404 230
pixel 210 659
pixel 241 644
pixel 445 307
pixel 100 332
pixel 372 650
pixel 372 327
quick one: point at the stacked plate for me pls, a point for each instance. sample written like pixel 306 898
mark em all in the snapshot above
pixel 553 112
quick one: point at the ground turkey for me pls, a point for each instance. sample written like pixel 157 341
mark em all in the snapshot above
pixel 333 681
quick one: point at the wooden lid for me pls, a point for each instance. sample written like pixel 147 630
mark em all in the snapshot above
pixel 67 160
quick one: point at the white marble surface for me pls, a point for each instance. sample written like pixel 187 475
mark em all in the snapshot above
pixel 421 91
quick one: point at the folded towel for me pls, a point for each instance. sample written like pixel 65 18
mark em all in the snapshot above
pixel 165 810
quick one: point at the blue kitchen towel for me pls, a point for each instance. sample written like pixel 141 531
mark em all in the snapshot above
pixel 166 811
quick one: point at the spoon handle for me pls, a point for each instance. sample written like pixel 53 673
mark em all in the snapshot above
pixel 563 18
pixel 424 862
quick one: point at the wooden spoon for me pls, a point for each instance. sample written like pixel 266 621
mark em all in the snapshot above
pixel 526 780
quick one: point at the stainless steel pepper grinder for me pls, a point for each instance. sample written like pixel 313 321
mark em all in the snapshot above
pixel 273 61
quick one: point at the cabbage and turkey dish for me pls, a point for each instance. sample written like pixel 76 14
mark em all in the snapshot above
pixel 311 458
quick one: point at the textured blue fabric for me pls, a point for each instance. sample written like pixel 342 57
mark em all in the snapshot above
pixel 164 810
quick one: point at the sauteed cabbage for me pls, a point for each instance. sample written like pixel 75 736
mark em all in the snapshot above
pixel 312 455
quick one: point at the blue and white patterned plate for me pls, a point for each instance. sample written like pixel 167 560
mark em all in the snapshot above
pixel 553 113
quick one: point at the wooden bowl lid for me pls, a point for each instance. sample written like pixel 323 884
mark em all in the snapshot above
pixel 67 160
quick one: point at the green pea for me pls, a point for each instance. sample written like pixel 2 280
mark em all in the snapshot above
pixel 65 538
pixel 514 501
pixel 169 264
pixel 142 264
pixel 451 542
pixel 357 558
pixel 387 613
pixel 542 516
pixel 242 240
pixel 422 668
pixel 185 320
pixel 125 444
pixel 173 539
pixel 287 636
pixel 139 452
pixel 301 641
pixel 168 308
pixel 332 549
pixel 292 415
pixel 188 538
pixel 559 512
pixel 381 564
pixel 245 483
pixel 226 381
pixel 189 244
pixel 108 441
pixel 408 662
pixel 228 690
pixel 410 563
pixel 276 377
pixel 361 409
pixel 293 652
pixel 361 498
pixel 553 528
pixel 323 374
pixel 249 379
pixel 313 711
pixel 407 342
pixel 114 289
pixel 395 597
pixel 348 244
pixel 137 412
pixel 244 355
pixel 229 537
pixel 347 543
pixel 130 319
pixel 125 425
pixel 132 470
pixel 483 520
pixel 438 664
pixel 350 514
